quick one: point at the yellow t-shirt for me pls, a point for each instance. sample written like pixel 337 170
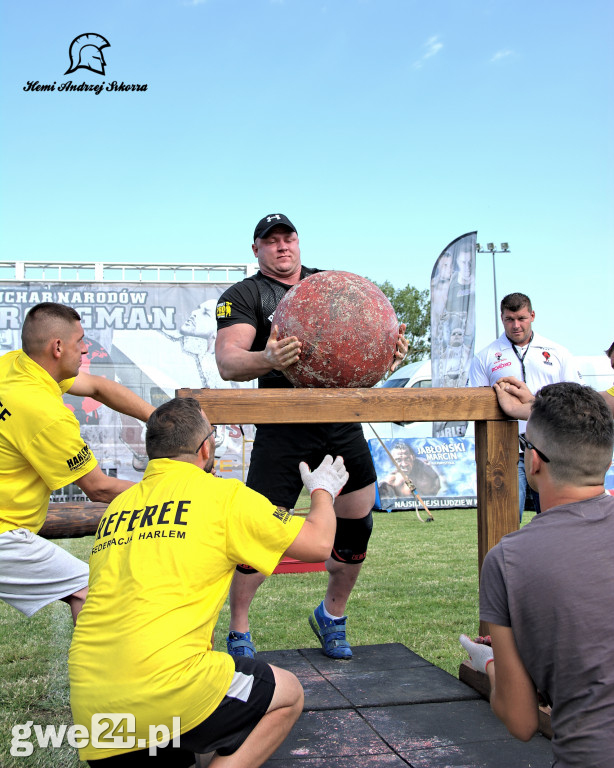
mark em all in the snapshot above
pixel 610 391
pixel 160 570
pixel 41 448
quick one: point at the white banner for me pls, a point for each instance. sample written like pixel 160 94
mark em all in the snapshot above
pixel 154 338
pixel 453 321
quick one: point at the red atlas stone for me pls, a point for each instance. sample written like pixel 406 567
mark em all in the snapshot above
pixel 347 328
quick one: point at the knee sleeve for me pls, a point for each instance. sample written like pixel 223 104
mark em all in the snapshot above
pixel 351 540
pixel 244 568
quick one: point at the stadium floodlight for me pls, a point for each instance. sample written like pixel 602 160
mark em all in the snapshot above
pixel 490 248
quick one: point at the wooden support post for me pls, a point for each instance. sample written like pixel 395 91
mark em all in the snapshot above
pixel 496 453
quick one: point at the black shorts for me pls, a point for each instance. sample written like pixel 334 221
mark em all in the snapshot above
pixel 224 731
pixel 279 448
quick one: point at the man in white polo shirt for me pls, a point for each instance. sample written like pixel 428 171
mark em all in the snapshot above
pixel 522 353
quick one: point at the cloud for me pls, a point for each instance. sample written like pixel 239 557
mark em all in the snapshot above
pixel 431 48
pixel 502 54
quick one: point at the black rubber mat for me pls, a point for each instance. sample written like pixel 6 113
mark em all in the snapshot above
pixel 389 708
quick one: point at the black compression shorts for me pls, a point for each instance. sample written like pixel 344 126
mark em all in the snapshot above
pixel 279 448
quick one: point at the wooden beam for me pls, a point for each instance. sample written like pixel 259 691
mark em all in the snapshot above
pixel 496 435
pixel 70 521
pixel 294 406
pixel 496 439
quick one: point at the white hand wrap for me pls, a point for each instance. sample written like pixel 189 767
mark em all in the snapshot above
pixel 330 476
pixel 479 654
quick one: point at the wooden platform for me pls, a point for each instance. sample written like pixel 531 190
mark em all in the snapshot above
pixel 389 708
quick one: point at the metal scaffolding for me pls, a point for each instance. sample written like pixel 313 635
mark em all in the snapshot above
pixel 115 272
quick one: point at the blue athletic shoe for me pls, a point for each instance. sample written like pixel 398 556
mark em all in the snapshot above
pixel 331 634
pixel 240 644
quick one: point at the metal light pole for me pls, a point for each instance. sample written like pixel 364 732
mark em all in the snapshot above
pixel 490 248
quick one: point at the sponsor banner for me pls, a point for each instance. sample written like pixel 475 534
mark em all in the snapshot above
pixel 442 470
pixel 453 321
pixel 153 338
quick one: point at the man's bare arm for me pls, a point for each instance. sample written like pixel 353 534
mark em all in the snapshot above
pixel 515 397
pixel 100 487
pixel 112 394
pixel 315 539
pixel 236 362
pixel 513 697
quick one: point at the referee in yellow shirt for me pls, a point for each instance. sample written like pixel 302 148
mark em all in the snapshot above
pixel 41 450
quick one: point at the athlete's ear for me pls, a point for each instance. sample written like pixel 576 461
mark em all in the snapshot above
pixel 56 347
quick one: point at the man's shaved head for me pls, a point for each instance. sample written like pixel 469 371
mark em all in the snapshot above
pixel 44 322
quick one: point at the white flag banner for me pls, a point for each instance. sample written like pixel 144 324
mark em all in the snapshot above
pixel 453 321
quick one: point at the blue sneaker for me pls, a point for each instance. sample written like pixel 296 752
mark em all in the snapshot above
pixel 331 634
pixel 240 644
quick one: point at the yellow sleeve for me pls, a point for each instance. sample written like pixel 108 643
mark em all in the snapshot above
pixel 258 533
pixel 59 454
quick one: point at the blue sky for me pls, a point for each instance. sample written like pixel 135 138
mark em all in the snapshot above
pixel 383 128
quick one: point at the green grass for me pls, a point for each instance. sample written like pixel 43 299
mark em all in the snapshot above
pixel 34 675
pixel 418 586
